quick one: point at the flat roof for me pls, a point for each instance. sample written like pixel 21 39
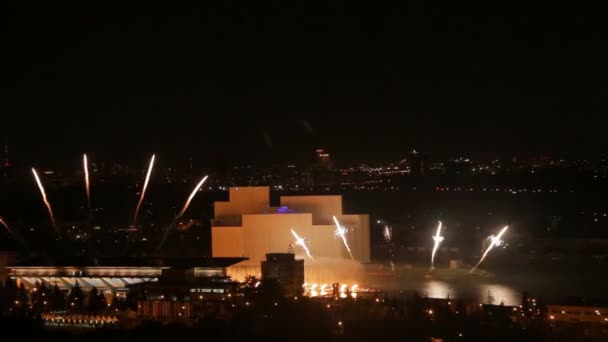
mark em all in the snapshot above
pixel 84 261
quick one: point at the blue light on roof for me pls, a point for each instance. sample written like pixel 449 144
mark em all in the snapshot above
pixel 284 210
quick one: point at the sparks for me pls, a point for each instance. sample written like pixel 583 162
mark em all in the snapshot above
pixel 495 241
pixel 341 233
pixel 45 200
pixel 388 233
pixel 87 184
pixel 438 240
pixel 300 242
pixel 187 204
pixel 143 191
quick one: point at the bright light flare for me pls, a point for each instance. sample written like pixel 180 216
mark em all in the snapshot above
pixel 300 242
pixel 438 240
pixel 87 184
pixel 143 191
pixel 354 288
pixel 341 233
pixel 343 288
pixel 495 241
pixel 194 192
pixel 45 199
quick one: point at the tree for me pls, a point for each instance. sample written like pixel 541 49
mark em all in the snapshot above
pixel 39 297
pixel 97 301
pixel 491 300
pixel 9 294
pixel 21 295
pixel 57 299
pixel 75 298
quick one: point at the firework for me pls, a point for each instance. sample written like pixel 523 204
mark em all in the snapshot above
pixel 87 184
pixel 341 233
pixel 300 242
pixel 438 240
pixel 45 199
pixel 143 191
pixel 181 213
pixel 2 222
pixel 14 233
pixel 187 204
pixel 388 234
pixel 495 241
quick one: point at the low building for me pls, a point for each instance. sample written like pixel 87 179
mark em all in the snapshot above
pixel 116 275
pixel 285 270
pixel 577 313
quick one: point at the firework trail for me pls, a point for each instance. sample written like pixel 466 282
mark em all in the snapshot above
pixel 45 200
pixel 143 191
pixel 187 204
pixel 495 242
pixel 2 222
pixel 181 213
pixel 341 233
pixel 388 234
pixel 300 242
pixel 13 233
pixel 85 165
pixel 438 240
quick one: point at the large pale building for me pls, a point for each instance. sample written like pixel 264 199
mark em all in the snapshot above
pixel 247 226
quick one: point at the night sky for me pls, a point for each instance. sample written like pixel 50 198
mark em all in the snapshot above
pixel 230 82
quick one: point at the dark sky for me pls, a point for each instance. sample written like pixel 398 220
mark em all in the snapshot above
pixel 236 82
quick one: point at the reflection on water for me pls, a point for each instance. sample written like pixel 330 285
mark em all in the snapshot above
pixel 480 292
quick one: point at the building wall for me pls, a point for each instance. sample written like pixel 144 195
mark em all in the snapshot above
pixel 227 242
pixel 243 200
pixel 323 208
pixel 271 233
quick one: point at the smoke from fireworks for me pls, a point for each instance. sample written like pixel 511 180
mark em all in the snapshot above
pixel 341 233
pixel 388 233
pixel 143 191
pixel 45 200
pixel 300 242
pixel 438 240
pixel 495 241
pixel 87 184
pixel 187 204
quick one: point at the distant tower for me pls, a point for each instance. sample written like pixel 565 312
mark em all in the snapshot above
pixel 324 160
pixel 418 163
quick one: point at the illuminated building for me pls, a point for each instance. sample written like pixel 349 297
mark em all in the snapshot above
pixel 7 257
pixel 577 313
pixel 418 163
pixel 285 270
pixel 247 226
pixel 116 275
pixel 324 160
